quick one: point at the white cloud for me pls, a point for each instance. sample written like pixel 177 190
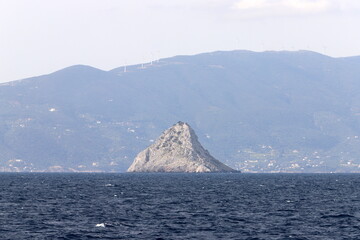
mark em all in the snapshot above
pixel 259 5
pixel 308 6
pixel 284 7
pixel 253 4
pixel 349 6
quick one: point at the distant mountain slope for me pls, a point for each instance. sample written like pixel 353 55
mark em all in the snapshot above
pixel 270 111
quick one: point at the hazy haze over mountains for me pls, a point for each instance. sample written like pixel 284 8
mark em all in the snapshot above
pixel 112 33
pixel 269 111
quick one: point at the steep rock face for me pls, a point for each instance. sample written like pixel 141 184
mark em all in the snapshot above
pixel 177 150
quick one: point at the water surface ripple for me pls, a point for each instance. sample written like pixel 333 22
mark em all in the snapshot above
pixel 179 206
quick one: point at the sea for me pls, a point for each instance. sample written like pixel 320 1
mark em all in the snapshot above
pixel 179 206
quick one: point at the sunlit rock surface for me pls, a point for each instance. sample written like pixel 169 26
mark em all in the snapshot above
pixel 177 150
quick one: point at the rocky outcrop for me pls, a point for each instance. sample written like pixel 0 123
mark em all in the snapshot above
pixel 177 150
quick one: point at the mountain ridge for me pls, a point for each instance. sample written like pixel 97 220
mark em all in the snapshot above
pixel 260 112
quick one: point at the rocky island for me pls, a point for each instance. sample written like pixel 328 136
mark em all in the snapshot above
pixel 177 150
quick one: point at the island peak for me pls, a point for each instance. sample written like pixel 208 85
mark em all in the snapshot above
pixel 177 150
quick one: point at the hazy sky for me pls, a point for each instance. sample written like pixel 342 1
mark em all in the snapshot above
pixel 41 36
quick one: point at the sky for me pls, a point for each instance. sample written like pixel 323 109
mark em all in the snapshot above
pixel 41 36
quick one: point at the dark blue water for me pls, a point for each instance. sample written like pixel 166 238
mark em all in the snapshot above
pixel 179 206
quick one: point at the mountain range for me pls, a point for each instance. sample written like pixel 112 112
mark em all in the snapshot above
pixel 254 111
